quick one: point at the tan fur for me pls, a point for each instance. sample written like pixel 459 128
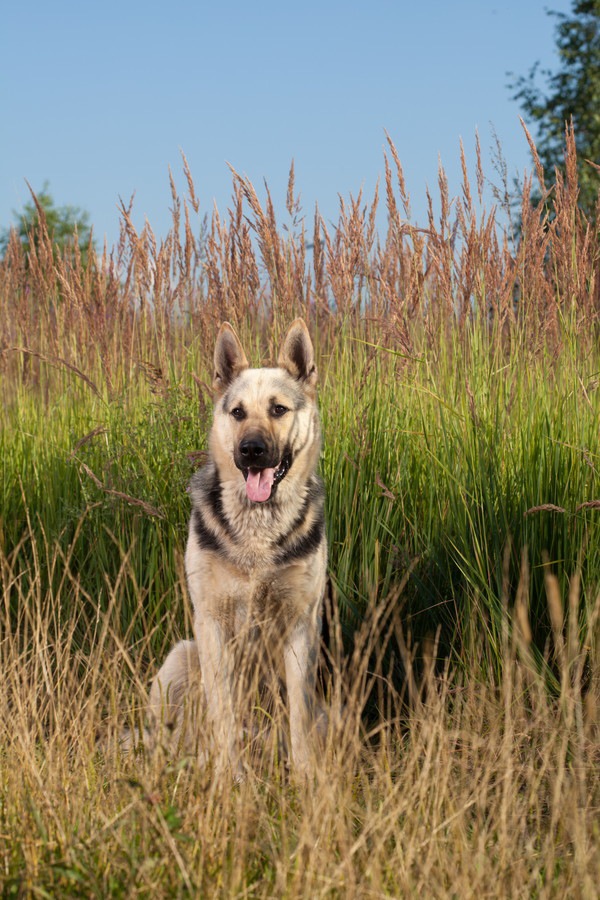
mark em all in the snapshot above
pixel 256 571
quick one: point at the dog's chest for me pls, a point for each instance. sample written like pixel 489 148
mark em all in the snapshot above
pixel 261 604
pixel 267 604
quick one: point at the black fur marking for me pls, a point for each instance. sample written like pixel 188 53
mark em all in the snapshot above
pixel 297 523
pixel 214 496
pixel 306 545
pixel 313 495
pixel 207 539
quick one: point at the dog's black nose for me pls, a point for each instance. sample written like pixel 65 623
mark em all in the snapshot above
pixel 253 450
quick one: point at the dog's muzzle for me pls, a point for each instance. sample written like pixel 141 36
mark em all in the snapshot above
pixel 261 471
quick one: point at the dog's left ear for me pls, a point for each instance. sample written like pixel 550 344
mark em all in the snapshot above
pixel 297 355
pixel 230 358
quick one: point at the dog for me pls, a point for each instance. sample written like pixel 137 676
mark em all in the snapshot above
pixel 256 557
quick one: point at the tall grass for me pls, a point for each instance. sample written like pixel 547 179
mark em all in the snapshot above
pixel 459 374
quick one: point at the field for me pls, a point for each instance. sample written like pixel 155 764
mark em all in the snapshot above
pixel 459 371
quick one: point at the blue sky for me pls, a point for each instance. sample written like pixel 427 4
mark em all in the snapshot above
pixel 99 98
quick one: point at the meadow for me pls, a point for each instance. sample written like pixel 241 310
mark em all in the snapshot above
pixel 459 371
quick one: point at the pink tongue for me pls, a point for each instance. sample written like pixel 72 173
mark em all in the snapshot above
pixel 259 484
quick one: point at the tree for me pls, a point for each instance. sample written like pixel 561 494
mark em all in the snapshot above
pixel 572 94
pixel 62 223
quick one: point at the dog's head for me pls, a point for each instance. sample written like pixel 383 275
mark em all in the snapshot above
pixel 266 423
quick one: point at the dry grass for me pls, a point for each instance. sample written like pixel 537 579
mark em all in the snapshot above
pixel 473 788
pixel 148 299
pixel 457 780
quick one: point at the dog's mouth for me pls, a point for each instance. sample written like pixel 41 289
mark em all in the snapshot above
pixel 261 483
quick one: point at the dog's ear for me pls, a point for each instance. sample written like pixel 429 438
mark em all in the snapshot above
pixel 230 358
pixel 297 355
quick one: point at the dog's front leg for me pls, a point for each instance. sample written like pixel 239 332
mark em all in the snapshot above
pixel 300 656
pixel 216 663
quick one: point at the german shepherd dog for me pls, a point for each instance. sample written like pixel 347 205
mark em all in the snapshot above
pixel 256 555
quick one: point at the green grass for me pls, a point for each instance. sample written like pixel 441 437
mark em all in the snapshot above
pixel 431 462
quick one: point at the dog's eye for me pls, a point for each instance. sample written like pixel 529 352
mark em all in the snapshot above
pixel 278 410
pixel 238 413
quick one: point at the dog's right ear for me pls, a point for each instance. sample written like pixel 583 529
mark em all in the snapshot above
pixel 230 358
pixel 298 357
